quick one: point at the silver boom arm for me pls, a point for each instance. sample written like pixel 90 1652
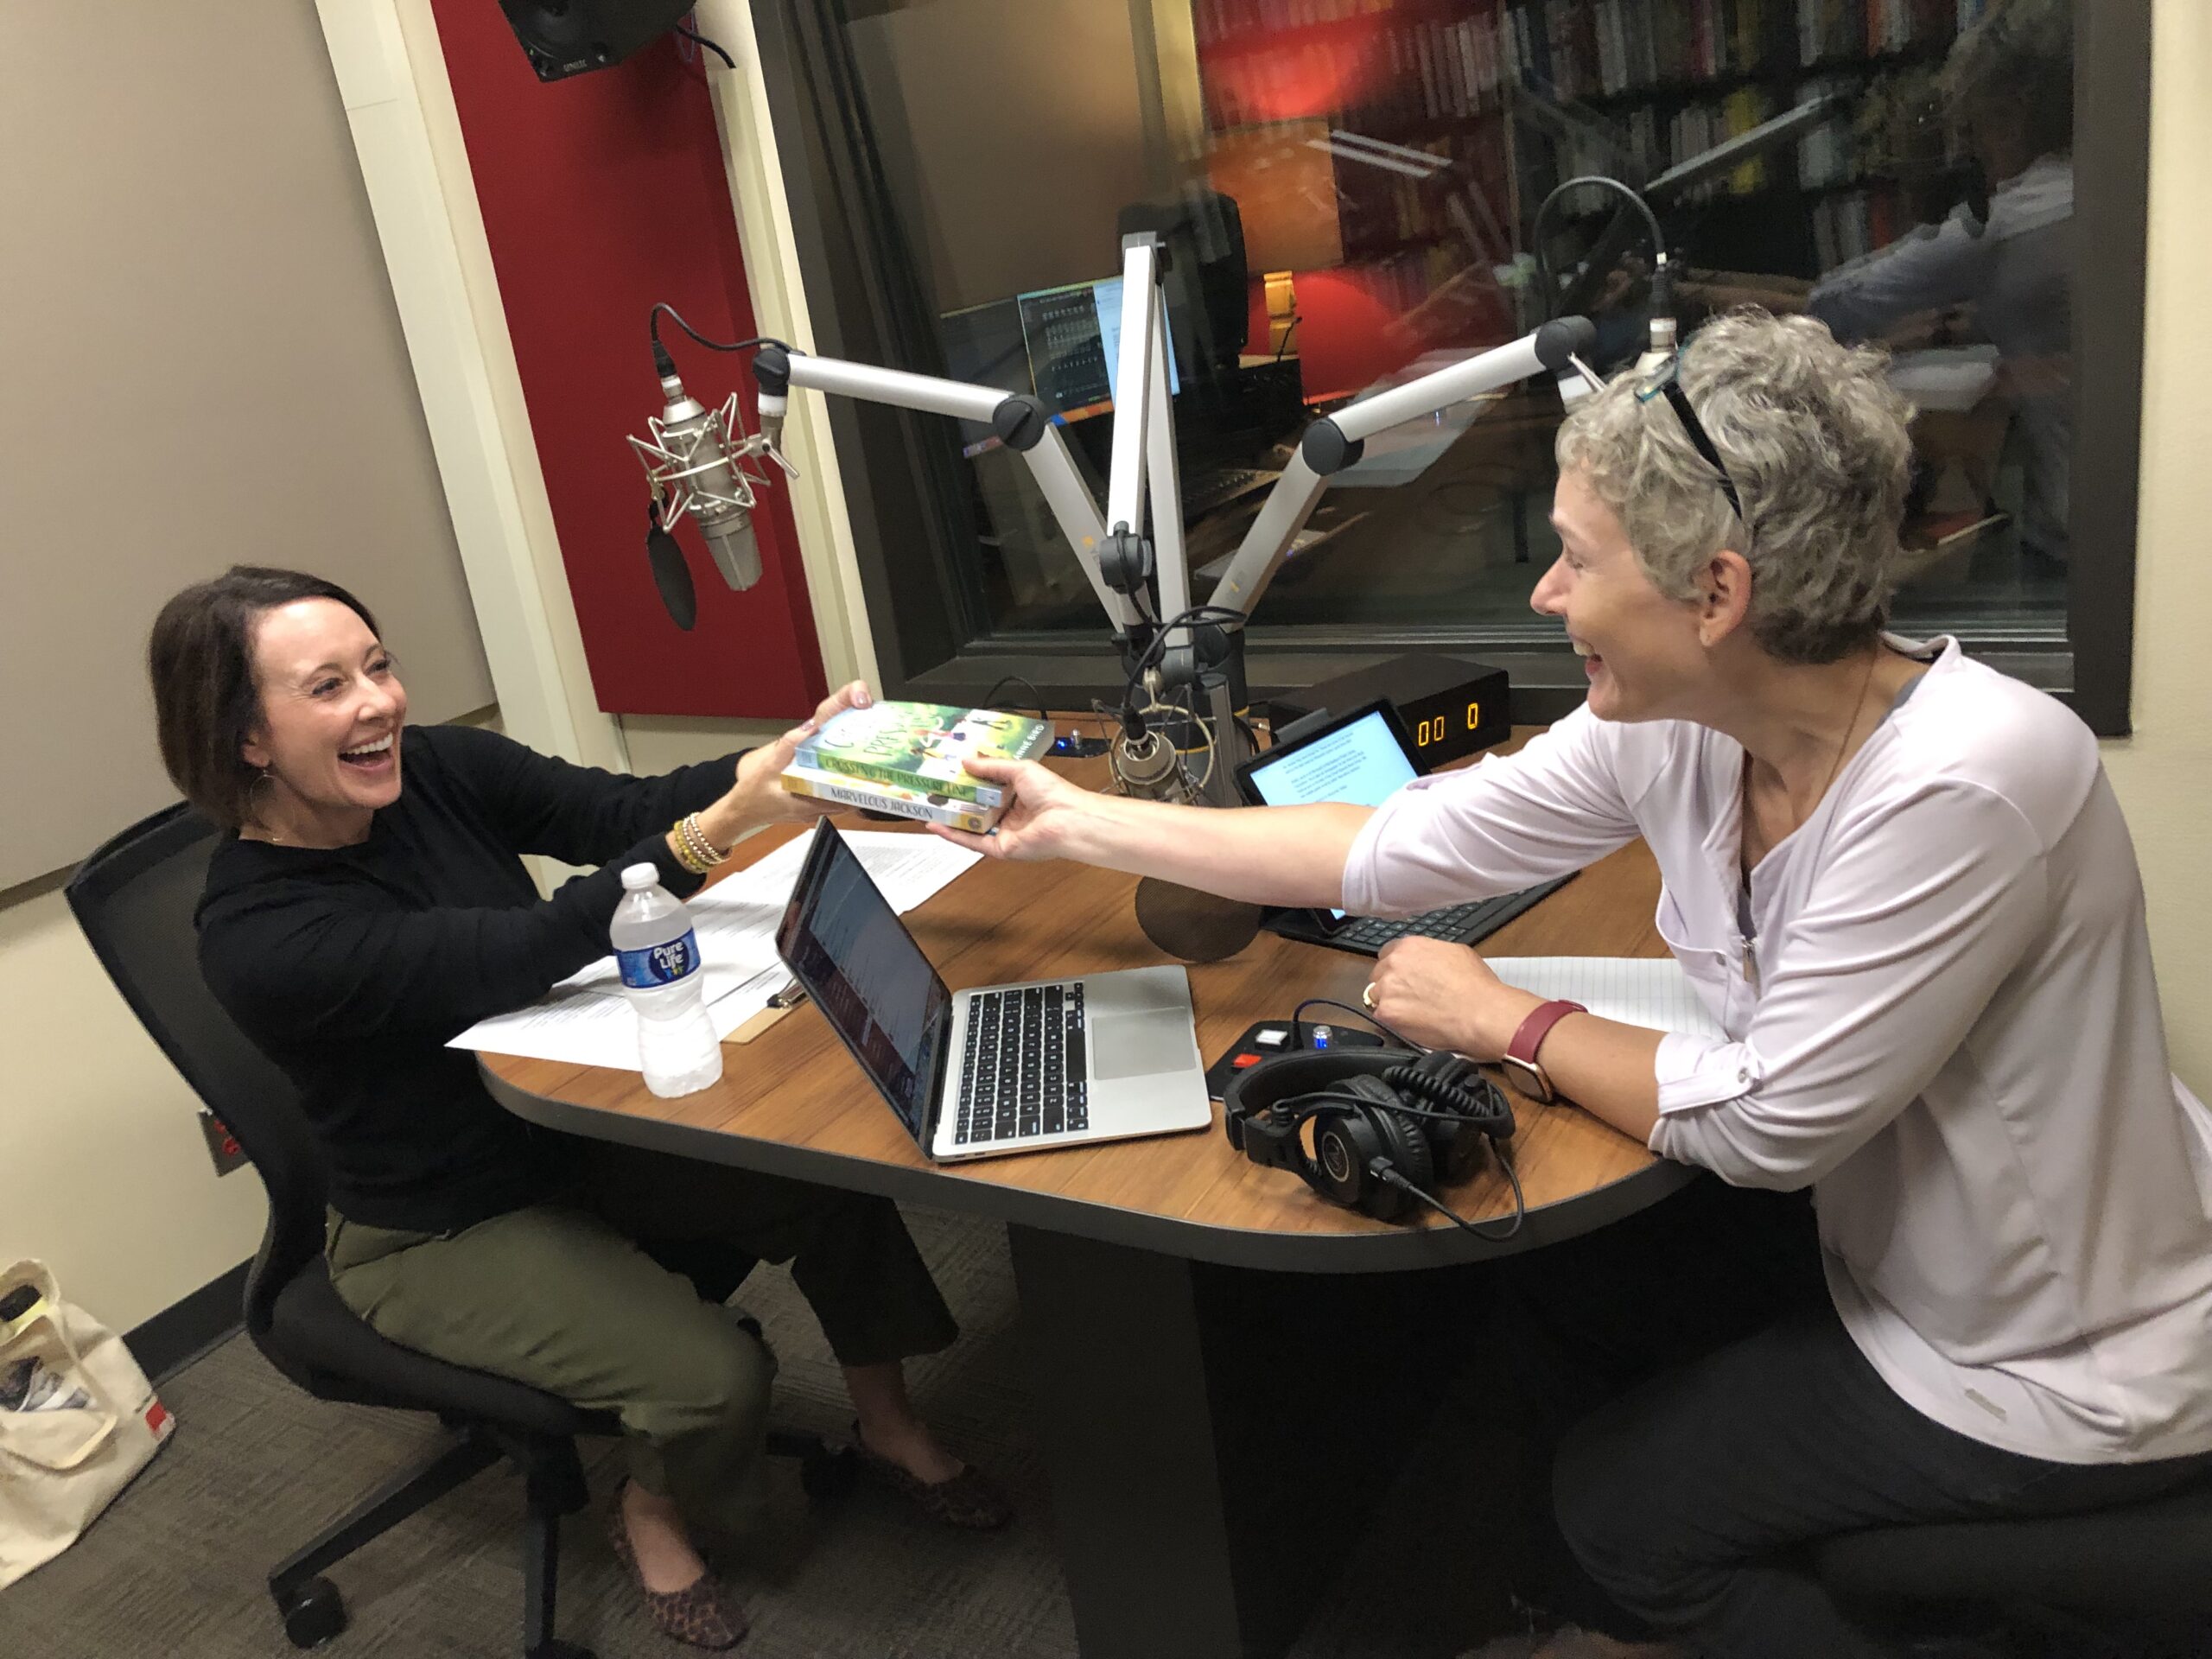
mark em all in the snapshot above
pixel 1334 442
pixel 1020 422
pixel 1143 462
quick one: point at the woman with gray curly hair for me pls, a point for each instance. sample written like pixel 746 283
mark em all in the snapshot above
pixel 1900 884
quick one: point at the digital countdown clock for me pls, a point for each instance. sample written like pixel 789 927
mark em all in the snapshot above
pixel 1451 708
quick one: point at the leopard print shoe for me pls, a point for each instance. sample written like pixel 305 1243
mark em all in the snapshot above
pixel 699 1615
pixel 971 1500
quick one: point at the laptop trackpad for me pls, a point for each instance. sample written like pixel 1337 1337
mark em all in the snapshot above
pixel 1140 1044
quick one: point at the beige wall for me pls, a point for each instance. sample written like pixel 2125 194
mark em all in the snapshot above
pixel 200 361
pixel 201 364
pixel 2163 773
pixel 107 1178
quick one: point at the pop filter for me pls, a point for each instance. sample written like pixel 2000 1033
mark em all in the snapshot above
pixel 672 575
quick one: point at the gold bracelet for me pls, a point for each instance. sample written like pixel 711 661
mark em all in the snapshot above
pixel 686 853
pixel 713 854
pixel 702 847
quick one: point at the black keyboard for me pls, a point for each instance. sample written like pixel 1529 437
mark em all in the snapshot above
pixel 1456 924
pixel 1024 1072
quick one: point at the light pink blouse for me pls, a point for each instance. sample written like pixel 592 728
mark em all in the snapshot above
pixel 1945 1022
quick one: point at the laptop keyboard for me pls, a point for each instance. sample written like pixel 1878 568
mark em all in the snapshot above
pixel 1456 924
pixel 1024 1072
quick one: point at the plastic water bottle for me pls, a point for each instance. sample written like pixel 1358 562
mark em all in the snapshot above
pixel 658 955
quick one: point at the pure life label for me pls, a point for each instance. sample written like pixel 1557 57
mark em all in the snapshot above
pixel 659 964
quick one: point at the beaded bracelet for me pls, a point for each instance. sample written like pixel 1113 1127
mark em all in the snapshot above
pixel 687 854
pixel 696 833
pixel 693 850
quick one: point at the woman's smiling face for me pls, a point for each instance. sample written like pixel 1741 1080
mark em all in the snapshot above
pixel 1640 649
pixel 332 708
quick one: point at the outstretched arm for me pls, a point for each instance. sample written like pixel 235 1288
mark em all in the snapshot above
pixel 1262 854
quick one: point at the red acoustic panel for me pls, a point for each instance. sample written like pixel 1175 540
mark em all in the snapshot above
pixel 602 194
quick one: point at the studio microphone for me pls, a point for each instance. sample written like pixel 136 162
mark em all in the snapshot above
pixel 1182 921
pixel 1144 764
pixel 689 460
pixel 1147 767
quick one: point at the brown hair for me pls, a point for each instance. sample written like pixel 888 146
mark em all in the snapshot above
pixel 206 703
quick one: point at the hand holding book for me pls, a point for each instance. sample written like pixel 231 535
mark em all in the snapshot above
pixel 755 796
pixel 910 759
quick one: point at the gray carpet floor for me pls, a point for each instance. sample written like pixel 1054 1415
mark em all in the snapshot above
pixel 177 1566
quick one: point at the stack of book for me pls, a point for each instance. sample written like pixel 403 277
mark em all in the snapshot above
pixel 908 760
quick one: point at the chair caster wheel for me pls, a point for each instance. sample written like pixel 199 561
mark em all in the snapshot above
pixel 829 1472
pixel 313 1613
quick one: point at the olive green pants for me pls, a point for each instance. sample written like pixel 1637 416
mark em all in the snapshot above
pixel 612 1298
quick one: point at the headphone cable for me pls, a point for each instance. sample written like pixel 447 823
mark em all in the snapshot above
pixel 1383 1171
pixel 1305 1107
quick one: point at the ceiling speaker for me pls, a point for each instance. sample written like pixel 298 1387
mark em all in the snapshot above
pixel 569 37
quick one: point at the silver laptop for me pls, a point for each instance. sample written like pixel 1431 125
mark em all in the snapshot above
pixel 1008 1068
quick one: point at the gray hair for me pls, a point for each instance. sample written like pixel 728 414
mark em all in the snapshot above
pixel 2016 62
pixel 1815 440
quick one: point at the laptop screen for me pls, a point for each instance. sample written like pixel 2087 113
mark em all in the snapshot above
pixel 844 942
pixel 1360 761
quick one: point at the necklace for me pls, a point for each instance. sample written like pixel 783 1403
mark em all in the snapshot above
pixel 1836 766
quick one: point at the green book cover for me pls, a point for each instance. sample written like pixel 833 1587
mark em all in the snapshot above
pixel 925 746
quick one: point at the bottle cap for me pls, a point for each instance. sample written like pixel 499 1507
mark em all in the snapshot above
pixel 637 877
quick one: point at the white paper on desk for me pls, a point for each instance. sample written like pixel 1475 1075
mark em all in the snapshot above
pixel 1651 991
pixel 910 868
pixel 585 1020
pixel 588 1022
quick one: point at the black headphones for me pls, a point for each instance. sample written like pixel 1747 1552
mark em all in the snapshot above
pixel 1389 1125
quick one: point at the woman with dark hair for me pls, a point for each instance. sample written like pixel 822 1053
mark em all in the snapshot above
pixel 369 904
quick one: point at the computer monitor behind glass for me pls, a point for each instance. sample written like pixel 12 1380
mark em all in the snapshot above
pixel 845 943
pixel 1362 759
pixel 1074 339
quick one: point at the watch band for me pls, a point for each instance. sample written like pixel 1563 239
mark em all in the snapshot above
pixel 1521 1053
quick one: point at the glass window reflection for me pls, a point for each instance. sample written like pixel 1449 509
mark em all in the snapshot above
pixel 1349 193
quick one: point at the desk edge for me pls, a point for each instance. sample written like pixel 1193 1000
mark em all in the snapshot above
pixel 1396 1251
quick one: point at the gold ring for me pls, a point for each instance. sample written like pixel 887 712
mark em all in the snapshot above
pixel 1367 997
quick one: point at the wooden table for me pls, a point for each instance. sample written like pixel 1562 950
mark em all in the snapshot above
pixel 1170 1289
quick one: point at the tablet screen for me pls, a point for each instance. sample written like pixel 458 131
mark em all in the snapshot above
pixel 1360 761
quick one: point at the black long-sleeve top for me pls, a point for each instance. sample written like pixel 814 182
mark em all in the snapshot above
pixel 351 967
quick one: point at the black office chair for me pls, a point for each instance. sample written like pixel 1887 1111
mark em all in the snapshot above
pixel 134 899
pixel 2135 1579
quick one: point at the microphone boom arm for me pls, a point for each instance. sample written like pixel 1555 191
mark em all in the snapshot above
pixel 1335 441
pixel 1019 421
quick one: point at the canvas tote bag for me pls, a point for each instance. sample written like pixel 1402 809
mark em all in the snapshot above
pixel 78 1419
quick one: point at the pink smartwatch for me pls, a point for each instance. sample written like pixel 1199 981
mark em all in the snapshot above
pixel 1520 1056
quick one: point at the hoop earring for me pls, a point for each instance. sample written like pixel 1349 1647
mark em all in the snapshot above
pixel 263 781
